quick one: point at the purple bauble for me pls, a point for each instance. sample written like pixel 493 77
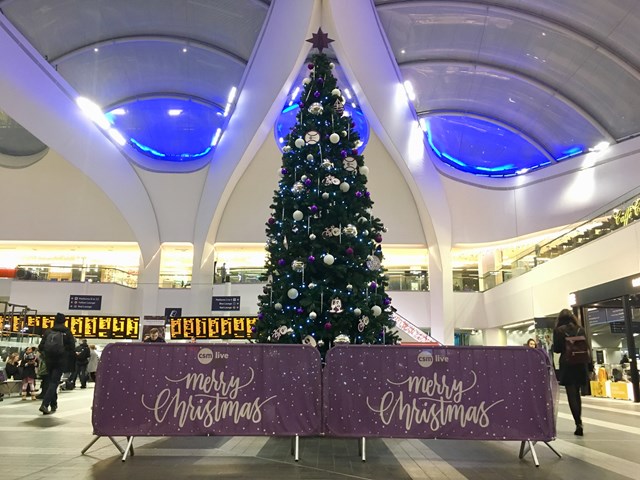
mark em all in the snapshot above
pixel 281 262
pixel 373 285
pixel 354 151
pixel 378 238
pixel 299 310
pixel 316 94
pixel 343 153
pixel 313 208
pixel 387 301
pixel 253 329
pixel 260 316
pixel 367 194
pixel 310 66
pixel 327 326
pixel 349 251
pixel 307 182
pixel 358 194
pixel 271 221
pixel 284 171
pixel 311 259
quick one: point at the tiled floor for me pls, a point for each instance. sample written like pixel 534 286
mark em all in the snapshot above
pixel 36 447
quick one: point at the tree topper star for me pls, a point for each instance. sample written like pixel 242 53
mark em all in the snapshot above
pixel 320 40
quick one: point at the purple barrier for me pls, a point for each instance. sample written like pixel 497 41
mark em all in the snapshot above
pixel 147 389
pixel 476 393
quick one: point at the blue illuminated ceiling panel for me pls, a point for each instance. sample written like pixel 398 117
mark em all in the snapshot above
pixel 481 147
pixel 288 117
pixel 170 129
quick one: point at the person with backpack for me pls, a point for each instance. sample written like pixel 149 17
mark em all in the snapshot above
pixel 574 362
pixel 56 344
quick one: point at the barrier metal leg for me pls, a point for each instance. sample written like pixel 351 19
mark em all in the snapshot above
pixel 128 449
pixel 363 449
pixel 96 438
pixel 526 446
pixel 295 447
pixel 553 449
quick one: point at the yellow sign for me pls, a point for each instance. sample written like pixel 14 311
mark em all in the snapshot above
pixel 619 390
pixel 623 217
pixel 82 326
pixel 213 328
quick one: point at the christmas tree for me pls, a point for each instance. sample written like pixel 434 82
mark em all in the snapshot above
pixel 325 280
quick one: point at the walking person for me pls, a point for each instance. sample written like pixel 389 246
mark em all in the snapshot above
pixel 29 363
pixel 572 376
pixel 92 366
pixel 56 343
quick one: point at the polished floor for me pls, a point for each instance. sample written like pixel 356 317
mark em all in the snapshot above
pixel 37 447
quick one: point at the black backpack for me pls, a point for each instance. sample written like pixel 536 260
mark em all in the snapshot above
pixel 576 350
pixel 54 343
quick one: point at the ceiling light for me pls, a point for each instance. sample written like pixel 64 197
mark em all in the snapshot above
pixel 118 111
pixel 600 147
pixel 96 49
pixel 174 112
pixel 184 50
pixel 232 94
pixel 216 137
pixel 93 111
pixel 409 89
pixel 117 136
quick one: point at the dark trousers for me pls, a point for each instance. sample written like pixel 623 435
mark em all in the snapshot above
pixel 81 373
pixel 51 395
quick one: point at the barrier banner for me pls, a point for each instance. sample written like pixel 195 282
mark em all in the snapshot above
pixel 145 389
pixel 479 393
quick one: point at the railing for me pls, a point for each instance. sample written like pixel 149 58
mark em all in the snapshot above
pixel 97 274
pixel 611 217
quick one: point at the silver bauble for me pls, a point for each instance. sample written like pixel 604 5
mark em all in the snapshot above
pixel 316 108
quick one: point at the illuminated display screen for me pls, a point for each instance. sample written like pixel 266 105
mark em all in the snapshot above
pixel 81 326
pixel 212 328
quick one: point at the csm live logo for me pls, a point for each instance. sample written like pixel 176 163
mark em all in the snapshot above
pixel 426 358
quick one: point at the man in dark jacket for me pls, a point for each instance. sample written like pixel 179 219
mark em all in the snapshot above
pixel 81 361
pixel 55 362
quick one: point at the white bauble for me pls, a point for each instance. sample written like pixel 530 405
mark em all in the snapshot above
pixel 362 220
pixel 344 186
pixel 312 237
pixel 357 312
pixel 286 149
pixel 364 170
pixel 332 65
pixel 336 92
pixel 298 215
pixel 299 143
pixel 328 259
pixel 312 285
pixel 278 306
pixel 325 196
pixel 309 157
pixel 334 138
pixel 349 287
pixel 313 315
pixel 292 293
pixel 376 310
pixel 306 80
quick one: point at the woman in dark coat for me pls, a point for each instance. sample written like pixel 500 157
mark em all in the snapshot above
pixel 572 377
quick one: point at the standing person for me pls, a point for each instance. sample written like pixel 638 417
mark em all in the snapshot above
pixel 57 343
pixel 82 354
pixel 154 336
pixel 92 366
pixel 43 375
pixel 572 376
pixel 29 363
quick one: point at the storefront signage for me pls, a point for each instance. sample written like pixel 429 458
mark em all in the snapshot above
pixel 213 328
pixel 623 217
pixel 82 326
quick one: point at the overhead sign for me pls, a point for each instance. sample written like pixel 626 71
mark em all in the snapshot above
pixel 85 302
pixel 81 326
pixel 212 328
pixel 225 304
